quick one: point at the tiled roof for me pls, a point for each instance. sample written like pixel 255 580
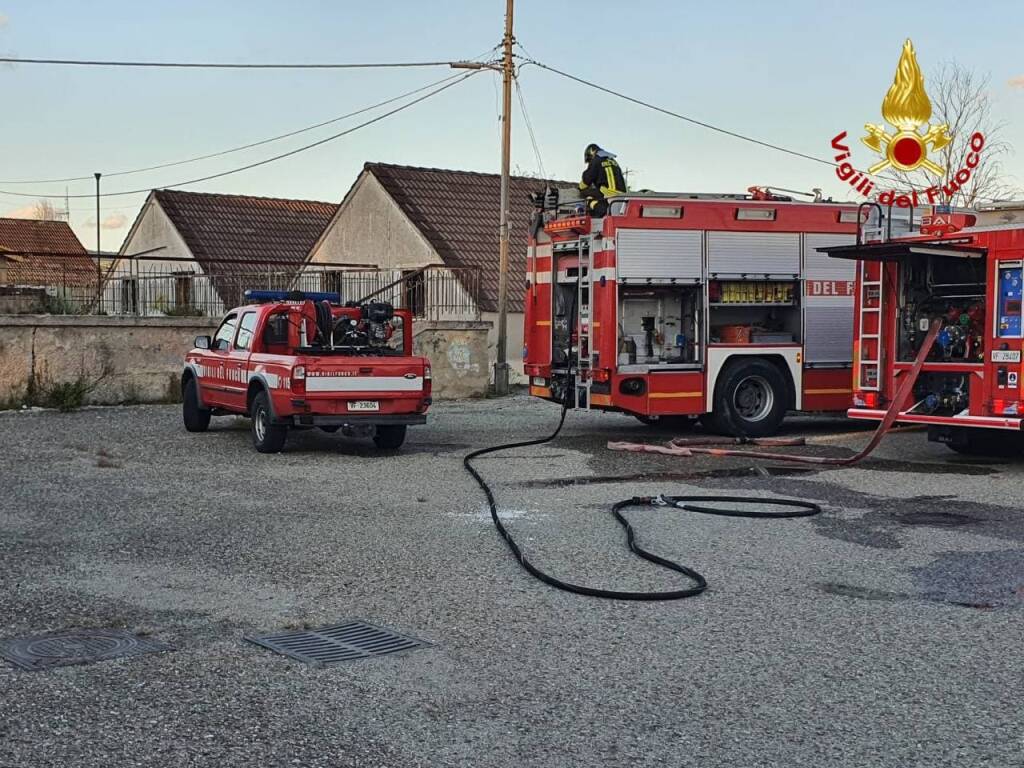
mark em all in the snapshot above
pixel 224 231
pixel 457 211
pixel 47 253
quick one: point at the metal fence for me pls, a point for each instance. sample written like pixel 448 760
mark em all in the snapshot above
pixel 138 288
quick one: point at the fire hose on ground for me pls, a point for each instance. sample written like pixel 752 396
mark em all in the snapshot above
pixel 682 447
pixel 785 508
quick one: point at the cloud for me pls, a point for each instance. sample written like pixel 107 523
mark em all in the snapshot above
pixel 25 212
pixel 113 221
pixel 1016 82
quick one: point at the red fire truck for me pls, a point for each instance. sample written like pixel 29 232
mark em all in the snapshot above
pixel 968 276
pixel 674 306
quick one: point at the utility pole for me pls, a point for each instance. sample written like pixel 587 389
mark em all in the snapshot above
pixel 501 364
pixel 99 268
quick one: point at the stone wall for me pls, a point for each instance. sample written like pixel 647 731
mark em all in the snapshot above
pixel 125 359
pixel 458 357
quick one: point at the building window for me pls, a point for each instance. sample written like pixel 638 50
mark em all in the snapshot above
pixel 183 289
pixel 130 296
pixel 415 293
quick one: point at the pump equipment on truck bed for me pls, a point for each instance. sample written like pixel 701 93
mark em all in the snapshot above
pixel 674 306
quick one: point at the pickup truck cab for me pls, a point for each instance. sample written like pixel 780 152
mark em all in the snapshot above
pixel 299 360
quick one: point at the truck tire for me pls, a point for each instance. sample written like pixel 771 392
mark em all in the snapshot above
pixel 267 437
pixel 196 419
pixel 389 437
pixel 751 399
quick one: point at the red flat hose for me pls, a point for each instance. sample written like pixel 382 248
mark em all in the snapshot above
pixel 902 392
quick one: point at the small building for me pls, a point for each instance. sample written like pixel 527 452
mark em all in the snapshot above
pixel 191 253
pixel 44 260
pixel 403 218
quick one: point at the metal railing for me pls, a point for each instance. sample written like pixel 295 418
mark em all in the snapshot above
pixel 139 288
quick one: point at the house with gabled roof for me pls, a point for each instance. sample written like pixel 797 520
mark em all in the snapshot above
pixel 45 254
pixel 403 218
pixel 183 244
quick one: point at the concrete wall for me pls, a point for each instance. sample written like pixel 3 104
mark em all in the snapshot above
pixel 128 359
pixel 458 354
pixel 514 351
pixel 139 359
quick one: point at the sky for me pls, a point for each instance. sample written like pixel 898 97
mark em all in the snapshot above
pixel 793 73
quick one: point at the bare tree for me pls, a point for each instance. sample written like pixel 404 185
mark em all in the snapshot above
pixel 44 210
pixel 961 99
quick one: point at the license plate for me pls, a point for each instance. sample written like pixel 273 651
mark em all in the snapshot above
pixel 1005 356
pixel 364 405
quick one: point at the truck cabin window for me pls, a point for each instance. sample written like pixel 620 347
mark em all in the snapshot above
pixel 245 329
pixel 226 332
pixel 275 332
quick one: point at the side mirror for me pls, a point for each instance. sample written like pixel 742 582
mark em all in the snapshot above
pixel 202 342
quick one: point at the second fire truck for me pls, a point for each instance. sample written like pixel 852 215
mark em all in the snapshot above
pixel 674 306
pixel 964 270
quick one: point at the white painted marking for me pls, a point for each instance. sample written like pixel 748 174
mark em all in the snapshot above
pixel 363 384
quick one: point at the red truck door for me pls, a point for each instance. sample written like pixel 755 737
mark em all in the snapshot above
pixel 212 377
pixel 236 364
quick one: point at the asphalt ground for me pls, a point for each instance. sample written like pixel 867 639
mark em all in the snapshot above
pixel 885 632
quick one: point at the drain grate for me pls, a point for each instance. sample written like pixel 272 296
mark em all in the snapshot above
pixel 79 646
pixel 343 642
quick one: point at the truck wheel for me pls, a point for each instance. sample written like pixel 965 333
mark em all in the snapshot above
pixel 389 437
pixel 751 398
pixel 267 437
pixel 196 419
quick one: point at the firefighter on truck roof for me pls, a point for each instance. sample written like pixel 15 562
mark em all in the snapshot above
pixel 602 178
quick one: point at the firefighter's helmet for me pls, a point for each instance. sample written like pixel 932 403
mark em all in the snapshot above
pixel 589 152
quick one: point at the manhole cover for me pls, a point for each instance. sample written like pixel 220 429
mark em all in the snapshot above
pixel 944 519
pixel 80 646
pixel 343 642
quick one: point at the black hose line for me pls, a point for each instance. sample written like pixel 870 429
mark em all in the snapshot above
pixel 790 508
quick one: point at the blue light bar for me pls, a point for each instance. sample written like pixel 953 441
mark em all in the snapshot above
pixel 260 296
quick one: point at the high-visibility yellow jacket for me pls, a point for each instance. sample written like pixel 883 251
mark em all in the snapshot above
pixel 603 173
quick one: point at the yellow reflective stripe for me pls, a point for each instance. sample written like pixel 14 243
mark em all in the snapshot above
pixel 665 395
pixel 828 391
pixel 610 176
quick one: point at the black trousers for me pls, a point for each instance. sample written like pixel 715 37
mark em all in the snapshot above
pixel 596 204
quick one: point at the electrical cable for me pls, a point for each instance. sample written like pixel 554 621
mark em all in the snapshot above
pixel 232 150
pixel 266 161
pixel 224 65
pixel 789 508
pixel 529 129
pixel 717 129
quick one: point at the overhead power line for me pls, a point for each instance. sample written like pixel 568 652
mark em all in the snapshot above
pixel 692 120
pixel 268 160
pixel 711 127
pixel 225 65
pixel 251 145
pixel 529 129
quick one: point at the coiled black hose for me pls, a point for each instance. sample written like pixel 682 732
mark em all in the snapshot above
pixel 790 508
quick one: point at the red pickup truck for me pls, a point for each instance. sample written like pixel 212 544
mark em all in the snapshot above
pixel 298 361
